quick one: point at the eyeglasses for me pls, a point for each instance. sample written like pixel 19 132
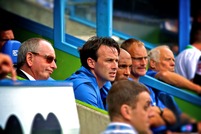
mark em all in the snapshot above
pixel 139 58
pixel 49 59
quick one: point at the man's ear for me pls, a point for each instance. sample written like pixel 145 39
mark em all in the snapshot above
pixel 29 59
pixel 152 64
pixel 126 111
pixel 91 62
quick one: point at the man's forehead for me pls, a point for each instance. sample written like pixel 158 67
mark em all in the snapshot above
pixel 136 50
pixel 107 51
pixel 144 96
pixel 166 53
pixel 125 60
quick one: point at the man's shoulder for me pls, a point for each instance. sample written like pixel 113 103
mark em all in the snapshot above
pixel 81 74
pixel 82 77
pixel 188 53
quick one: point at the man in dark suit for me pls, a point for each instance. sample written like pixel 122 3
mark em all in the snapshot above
pixel 36 59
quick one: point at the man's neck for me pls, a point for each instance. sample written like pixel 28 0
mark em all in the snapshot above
pixel 99 81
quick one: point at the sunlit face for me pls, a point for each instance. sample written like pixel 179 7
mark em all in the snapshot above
pixel 167 61
pixel 124 65
pixel 5 36
pixel 141 113
pixel 105 68
pixel 139 61
pixel 41 67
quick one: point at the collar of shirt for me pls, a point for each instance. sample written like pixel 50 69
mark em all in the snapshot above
pixel 121 126
pixel 29 76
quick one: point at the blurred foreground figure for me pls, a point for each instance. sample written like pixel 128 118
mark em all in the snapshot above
pixel 129 108
pixel 6 67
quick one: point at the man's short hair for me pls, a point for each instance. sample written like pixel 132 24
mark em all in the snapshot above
pixel 123 92
pixel 90 48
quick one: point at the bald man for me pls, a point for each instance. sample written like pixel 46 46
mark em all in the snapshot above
pixel 161 65
pixel 124 65
pixel 36 59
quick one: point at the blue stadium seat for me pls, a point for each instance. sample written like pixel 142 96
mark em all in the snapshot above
pixel 11 48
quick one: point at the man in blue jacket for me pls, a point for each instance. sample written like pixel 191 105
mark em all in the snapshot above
pixel 99 58
pixel 162 114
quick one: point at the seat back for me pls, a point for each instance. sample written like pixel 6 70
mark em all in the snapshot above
pixel 11 48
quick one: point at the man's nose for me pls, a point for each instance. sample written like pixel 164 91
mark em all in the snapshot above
pixel 127 71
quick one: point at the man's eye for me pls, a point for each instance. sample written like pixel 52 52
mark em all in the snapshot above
pixel 123 66
pixel 147 106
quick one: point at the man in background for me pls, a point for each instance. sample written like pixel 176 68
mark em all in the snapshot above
pixel 161 66
pixel 138 54
pixel 186 61
pixel 124 65
pixel 6 33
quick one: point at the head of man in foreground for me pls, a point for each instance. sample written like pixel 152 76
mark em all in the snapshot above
pixel 129 103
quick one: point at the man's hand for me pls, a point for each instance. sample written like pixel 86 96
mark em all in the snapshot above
pixel 167 115
pixel 6 67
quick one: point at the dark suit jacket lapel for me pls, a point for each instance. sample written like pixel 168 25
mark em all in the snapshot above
pixel 21 74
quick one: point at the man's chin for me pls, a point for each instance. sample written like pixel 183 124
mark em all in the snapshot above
pixel 124 78
pixel 45 77
pixel 142 73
